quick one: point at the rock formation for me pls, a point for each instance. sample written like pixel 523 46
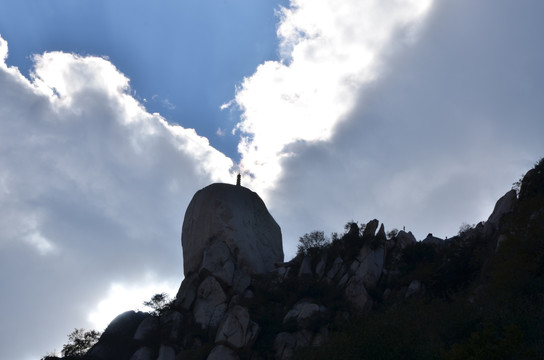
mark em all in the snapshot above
pixel 239 300
pixel 225 221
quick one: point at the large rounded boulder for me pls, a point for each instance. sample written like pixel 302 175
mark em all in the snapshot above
pixel 237 217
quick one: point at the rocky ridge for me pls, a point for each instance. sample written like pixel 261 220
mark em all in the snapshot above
pixel 234 304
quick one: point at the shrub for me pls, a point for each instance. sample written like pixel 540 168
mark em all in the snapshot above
pixel 393 233
pixel 80 342
pixel 313 240
pixel 159 303
pixel 465 229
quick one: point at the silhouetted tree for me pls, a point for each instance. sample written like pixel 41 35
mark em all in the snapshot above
pixel 80 341
pixel 464 229
pixel 350 227
pixel 158 302
pixel 313 240
pixel 391 234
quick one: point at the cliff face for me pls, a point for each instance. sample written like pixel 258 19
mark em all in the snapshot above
pixel 237 222
pixel 240 301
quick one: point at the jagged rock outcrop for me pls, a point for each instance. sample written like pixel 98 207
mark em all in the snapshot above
pixel 117 341
pixel 503 206
pixel 236 329
pixel 404 239
pixel 239 300
pixel 147 329
pixel 217 307
pixel 286 344
pixel 143 353
pixel 303 313
pixel 236 217
pixel 306 266
pixel 370 228
pixel 210 304
pixel 369 265
pixel 433 240
pixel 532 185
pixel 414 288
pixel 357 295
pixel 171 325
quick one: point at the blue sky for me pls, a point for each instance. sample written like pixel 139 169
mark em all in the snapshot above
pixel 419 113
pixel 184 57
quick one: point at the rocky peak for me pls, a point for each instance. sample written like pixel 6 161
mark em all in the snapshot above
pixel 239 300
pixel 225 221
pixel 532 184
pixel 503 206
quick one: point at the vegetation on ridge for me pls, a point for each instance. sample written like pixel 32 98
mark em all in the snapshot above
pixel 482 303
pixel 479 296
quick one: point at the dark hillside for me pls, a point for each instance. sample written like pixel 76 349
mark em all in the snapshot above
pixel 367 294
pixel 483 299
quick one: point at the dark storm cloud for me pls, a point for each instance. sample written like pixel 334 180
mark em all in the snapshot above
pixel 451 123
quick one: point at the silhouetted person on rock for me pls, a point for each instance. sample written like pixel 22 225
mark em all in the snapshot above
pixel 238 180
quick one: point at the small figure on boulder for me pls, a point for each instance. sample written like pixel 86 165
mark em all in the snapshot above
pixel 238 180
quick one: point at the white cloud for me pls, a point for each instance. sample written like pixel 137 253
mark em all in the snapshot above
pixel 43 245
pixel 351 124
pixel 92 188
pixel 226 105
pixel 419 114
pixel 65 76
pixel 122 296
pixel 329 51
pixel 164 102
pixel 3 51
pixel 89 138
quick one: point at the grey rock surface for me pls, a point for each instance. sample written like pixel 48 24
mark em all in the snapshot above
pixel 334 269
pixel 236 216
pixel 303 312
pixel 356 294
pixel 433 240
pixel 285 345
pixel 144 353
pixel 503 206
pixel 241 281
pixel 219 261
pixel 371 263
pixel 236 329
pixel 306 266
pixel 117 340
pixel 147 329
pixel 171 326
pixel 381 236
pixel 320 267
pixel 210 304
pixel 304 338
pixel 222 352
pixel 166 353
pixel 404 239
pixel 321 337
pixel 124 325
pixel 414 288
pixel 370 228
pixel 187 291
